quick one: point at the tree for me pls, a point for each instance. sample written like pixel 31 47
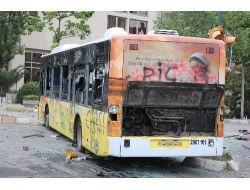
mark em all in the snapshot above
pixel 62 25
pixel 12 26
pixel 189 23
pixel 238 24
pixel 9 78
pixel 247 90
pixel 197 24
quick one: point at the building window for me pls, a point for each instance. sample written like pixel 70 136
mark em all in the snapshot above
pixel 137 27
pixel 114 21
pixel 140 13
pixel 32 66
pixel 33 13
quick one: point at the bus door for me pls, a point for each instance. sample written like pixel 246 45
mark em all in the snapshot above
pixel 66 105
pixel 97 116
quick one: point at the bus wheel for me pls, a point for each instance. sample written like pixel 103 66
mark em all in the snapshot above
pixel 46 117
pixel 79 137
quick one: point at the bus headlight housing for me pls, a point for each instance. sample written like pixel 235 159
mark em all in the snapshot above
pixel 113 110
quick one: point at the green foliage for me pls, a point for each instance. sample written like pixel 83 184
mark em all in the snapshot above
pixel 232 92
pixel 31 97
pixel 30 88
pixel 189 23
pixel 14 24
pixel 197 24
pixel 65 27
pixel 225 157
pixel 9 78
pixel 228 168
pixel 247 90
pixel 238 24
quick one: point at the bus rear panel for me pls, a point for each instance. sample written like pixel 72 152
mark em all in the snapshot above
pixel 171 97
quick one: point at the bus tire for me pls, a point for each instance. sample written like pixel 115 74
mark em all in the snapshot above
pixel 46 117
pixel 79 137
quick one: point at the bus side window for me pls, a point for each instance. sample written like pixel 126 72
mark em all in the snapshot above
pixel 72 86
pixel 65 81
pixel 48 81
pixel 99 73
pixel 80 89
pixel 89 81
pixel 42 82
pixel 98 85
pixel 56 84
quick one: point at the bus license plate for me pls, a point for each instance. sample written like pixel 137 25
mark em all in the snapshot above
pixel 169 144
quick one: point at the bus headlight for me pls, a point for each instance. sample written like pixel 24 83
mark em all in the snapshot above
pixel 113 109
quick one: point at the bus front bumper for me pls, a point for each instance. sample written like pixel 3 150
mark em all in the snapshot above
pixel 165 146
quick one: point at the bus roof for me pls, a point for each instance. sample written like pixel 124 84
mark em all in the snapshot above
pixel 173 38
pixel 154 37
pixel 74 46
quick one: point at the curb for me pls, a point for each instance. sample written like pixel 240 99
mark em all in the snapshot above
pixel 213 165
pixel 18 109
pixel 240 121
pixel 209 164
pixel 5 119
pixel 22 120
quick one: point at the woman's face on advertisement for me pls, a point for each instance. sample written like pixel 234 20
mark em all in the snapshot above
pixel 197 67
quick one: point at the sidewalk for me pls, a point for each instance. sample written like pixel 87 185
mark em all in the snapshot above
pixel 240 121
pixel 17 114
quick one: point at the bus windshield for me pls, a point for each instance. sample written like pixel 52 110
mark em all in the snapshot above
pixel 146 60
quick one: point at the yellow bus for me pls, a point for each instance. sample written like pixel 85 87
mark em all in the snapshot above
pixel 137 95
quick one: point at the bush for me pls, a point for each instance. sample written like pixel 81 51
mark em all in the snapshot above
pixel 31 97
pixel 30 88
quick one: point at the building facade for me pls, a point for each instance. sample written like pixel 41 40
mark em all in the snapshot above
pixel 39 43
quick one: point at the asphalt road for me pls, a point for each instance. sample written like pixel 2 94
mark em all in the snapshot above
pixel 43 155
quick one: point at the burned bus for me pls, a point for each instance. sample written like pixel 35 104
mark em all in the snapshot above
pixel 137 95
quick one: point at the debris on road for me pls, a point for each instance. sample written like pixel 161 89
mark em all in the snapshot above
pixel 74 145
pixel 246 147
pixel 80 158
pixel 100 174
pixel 243 138
pixel 174 172
pixel 71 154
pixel 49 155
pixel 232 136
pixel 76 156
pixel 25 148
pixel 241 135
pixel 244 131
pixel 54 136
pixel 35 135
